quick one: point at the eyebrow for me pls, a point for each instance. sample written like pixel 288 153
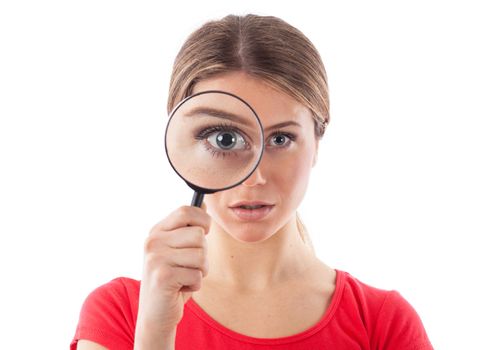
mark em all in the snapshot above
pixel 234 117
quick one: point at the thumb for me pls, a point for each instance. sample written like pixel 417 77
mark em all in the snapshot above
pixel 203 206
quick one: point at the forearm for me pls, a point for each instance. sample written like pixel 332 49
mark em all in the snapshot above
pixel 146 339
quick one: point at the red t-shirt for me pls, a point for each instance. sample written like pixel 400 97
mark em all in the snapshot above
pixel 359 317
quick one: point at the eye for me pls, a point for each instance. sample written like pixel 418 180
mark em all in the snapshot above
pixel 227 140
pixel 281 139
pixel 222 140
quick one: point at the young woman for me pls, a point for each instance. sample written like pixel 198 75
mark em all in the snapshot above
pixel 240 278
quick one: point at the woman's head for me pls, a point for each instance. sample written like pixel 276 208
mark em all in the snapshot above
pixel 276 69
pixel 264 47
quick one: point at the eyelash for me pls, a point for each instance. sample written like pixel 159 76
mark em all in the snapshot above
pixel 205 132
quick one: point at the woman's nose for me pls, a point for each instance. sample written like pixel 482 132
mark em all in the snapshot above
pixel 256 178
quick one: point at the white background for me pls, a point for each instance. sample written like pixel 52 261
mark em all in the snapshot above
pixel 407 193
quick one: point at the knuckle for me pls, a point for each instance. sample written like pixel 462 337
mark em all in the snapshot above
pixel 151 261
pixel 184 211
pixel 159 226
pixel 150 243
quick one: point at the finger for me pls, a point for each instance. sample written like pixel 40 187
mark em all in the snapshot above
pixel 187 277
pixel 183 216
pixel 186 237
pixel 187 257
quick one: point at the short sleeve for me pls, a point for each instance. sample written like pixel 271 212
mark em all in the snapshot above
pixel 106 318
pixel 398 326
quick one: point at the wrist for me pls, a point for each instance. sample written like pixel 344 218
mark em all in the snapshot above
pixel 151 339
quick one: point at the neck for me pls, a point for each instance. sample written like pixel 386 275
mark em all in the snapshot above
pixel 257 266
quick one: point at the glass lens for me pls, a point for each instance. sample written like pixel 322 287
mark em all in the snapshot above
pixel 214 140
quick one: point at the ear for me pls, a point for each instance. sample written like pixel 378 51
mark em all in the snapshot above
pixel 315 157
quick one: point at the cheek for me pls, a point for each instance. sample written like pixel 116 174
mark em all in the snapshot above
pixel 291 175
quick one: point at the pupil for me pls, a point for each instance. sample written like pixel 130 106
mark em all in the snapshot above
pixel 280 139
pixel 226 140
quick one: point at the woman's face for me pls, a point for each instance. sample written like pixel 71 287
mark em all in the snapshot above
pixel 282 175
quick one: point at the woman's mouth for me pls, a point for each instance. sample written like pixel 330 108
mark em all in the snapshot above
pixel 251 211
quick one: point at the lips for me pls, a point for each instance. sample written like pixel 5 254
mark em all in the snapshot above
pixel 250 204
pixel 244 214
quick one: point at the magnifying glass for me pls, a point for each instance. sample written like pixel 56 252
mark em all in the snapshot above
pixel 214 141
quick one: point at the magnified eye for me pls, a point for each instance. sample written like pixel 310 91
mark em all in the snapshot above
pixel 227 140
pixel 222 140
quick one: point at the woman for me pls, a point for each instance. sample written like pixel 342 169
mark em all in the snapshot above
pixel 242 278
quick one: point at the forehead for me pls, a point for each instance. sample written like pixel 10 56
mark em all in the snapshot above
pixel 272 105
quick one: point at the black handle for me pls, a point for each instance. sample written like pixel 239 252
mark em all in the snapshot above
pixel 197 199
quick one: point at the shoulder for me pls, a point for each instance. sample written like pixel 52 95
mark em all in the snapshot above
pixel 119 293
pixel 355 293
pixel 399 323
pixel 390 320
pixel 108 313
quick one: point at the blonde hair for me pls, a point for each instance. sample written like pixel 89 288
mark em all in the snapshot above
pixel 265 47
pixel 304 235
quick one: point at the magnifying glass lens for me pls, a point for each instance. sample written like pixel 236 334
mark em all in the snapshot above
pixel 214 140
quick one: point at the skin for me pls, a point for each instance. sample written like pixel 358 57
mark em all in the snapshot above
pixel 257 256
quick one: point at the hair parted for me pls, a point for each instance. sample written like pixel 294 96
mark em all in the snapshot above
pixel 266 47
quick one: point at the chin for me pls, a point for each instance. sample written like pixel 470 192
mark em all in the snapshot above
pixel 247 232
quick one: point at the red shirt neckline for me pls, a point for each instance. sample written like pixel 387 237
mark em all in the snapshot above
pixel 336 296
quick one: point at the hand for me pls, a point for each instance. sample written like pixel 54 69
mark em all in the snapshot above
pixel 175 262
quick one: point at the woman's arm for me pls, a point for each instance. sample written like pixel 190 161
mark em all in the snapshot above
pixel 84 344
